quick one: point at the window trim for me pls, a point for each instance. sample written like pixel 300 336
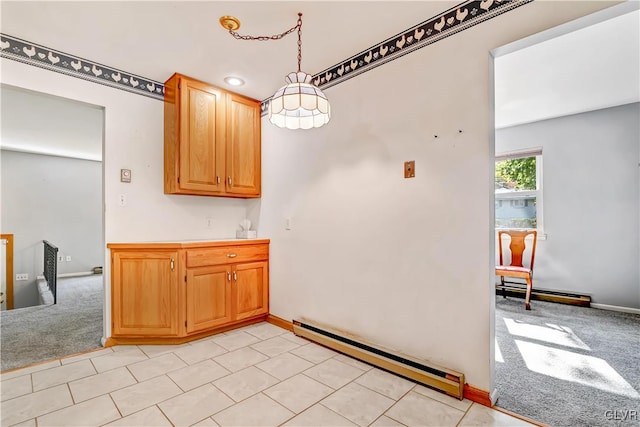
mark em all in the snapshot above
pixel 538 192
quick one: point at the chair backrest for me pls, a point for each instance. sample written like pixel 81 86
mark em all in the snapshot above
pixel 517 246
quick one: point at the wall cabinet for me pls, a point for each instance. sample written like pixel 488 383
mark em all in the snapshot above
pixel 182 290
pixel 211 140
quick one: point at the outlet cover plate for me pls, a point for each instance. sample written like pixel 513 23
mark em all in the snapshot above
pixel 410 169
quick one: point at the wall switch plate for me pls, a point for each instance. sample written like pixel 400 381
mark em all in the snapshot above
pixel 125 175
pixel 24 276
pixel 288 223
pixel 68 257
pixel 410 169
pixel 60 258
pixel 122 200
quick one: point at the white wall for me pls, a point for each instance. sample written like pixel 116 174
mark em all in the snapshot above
pixel 407 264
pixel 591 204
pixel 134 140
pixel 56 199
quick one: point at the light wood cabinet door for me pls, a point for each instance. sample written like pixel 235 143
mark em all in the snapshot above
pixel 202 137
pixel 251 289
pixel 208 297
pixel 144 293
pixel 243 146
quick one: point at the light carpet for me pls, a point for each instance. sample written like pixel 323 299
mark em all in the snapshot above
pixel 73 325
pixel 566 365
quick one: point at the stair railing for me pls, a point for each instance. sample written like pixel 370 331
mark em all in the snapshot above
pixel 51 268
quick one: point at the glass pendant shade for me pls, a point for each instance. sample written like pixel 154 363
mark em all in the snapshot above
pixel 299 104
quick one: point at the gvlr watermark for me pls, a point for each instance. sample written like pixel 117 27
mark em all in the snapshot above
pixel 621 415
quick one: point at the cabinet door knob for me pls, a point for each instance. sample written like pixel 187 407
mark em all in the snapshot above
pixel 172 264
pixel 235 276
pixel 232 255
pixel 228 276
pixel 229 180
pixel 218 180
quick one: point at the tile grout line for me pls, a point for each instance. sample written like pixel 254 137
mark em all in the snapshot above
pixel 465 413
pixel 402 397
pixel 444 394
pixel 334 391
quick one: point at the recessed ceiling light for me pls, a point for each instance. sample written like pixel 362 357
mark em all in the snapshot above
pixel 234 81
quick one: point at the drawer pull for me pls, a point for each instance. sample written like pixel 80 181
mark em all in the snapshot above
pixel 232 255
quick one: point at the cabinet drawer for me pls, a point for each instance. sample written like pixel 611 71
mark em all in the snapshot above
pixel 226 255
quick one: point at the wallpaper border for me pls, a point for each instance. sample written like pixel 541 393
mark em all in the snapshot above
pixel 71 65
pixel 448 23
pixel 459 18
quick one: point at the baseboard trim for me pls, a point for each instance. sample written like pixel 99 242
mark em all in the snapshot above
pixel 111 341
pixel 477 395
pixel 278 321
pixel 616 308
pixel 493 396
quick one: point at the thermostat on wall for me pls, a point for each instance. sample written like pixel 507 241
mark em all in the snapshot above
pixel 125 175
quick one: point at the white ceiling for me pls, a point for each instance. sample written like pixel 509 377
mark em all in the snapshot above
pixel 33 122
pixel 584 70
pixel 591 68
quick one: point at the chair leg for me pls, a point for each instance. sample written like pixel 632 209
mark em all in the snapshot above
pixel 528 297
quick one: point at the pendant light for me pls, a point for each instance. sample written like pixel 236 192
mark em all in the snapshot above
pixel 299 104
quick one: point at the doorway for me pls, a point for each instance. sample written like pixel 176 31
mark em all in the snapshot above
pixel 52 191
pixel 563 364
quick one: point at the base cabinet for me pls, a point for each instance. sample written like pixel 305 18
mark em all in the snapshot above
pixel 208 298
pixel 187 289
pixel 250 290
pixel 145 298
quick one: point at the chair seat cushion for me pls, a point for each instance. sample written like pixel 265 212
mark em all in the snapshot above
pixel 507 269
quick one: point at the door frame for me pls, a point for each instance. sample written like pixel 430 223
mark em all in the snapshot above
pixel 9 269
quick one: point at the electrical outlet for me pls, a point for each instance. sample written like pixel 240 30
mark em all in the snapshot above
pixel 24 276
pixel 68 258
pixel 208 222
pixel 60 258
pixel 122 200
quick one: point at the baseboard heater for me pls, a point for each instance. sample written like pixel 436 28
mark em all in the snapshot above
pixel 421 371
pixel 544 295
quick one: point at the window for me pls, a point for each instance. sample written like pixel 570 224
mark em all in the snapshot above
pixel 518 190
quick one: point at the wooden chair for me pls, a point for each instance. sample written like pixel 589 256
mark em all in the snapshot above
pixel 516 269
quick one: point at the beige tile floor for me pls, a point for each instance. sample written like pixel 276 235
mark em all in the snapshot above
pixel 260 375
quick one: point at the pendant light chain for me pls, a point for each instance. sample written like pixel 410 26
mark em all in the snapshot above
pixel 277 37
pixel 299 40
pixel 274 37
